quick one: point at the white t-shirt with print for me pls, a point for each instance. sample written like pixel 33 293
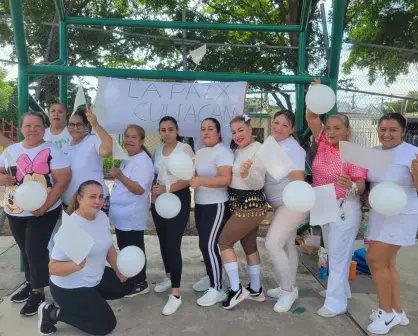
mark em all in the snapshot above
pixel 220 156
pixel 400 173
pixel 273 189
pixel 160 161
pixel 59 140
pixel 91 274
pixel 86 164
pixel 127 210
pixel 33 164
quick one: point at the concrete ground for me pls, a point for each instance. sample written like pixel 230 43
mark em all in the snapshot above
pixel 142 314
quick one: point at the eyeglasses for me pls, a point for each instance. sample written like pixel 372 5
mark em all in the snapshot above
pixel 76 125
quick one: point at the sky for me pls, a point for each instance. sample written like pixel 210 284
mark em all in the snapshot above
pixel 401 87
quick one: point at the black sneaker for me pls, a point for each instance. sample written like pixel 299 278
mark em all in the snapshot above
pixel 22 295
pixel 233 298
pixel 46 323
pixel 256 296
pixel 139 289
pixel 33 303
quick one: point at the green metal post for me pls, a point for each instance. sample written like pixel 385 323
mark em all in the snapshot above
pixel 304 16
pixel 59 6
pixel 63 56
pixel 300 88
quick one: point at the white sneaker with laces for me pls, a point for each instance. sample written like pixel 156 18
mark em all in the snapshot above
pixel 404 318
pixel 274 292
pixel 162 286
pixel 202 285
pixel 211 297
pixel 325 312
pixel 323 293
pixel 172 305
pixel 384 322
pixel 286 300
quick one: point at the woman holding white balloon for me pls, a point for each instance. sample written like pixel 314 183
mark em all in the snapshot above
pixel 280 239
pixel 35 174
pixel 213 176
pixel 349 183
pixel 249 207
pixel 171 219
pixel 392 224
pixel 81 290
pixel 130 198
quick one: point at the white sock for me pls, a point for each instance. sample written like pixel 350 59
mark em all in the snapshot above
pixel 233 275
pixel 254 271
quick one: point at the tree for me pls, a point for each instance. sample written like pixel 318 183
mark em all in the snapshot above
pixel 403 106
pixel 5 91
pixel 392 23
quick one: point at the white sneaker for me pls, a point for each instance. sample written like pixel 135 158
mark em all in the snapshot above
pixel 286 300
pixel 325 312
pixel 274 293
pixel 172 305
pixel 404 318
pixel 201 258
pixel 202 285
pixel 323 293
pixel 211 297
pixel 162 286
pixel 384 322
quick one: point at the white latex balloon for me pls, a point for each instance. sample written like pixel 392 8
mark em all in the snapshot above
pixel 180 165
pixel 30 195
pixel 168 205
pixel 130 261
pixel 299 196
pixel 387 199
pixel 320 99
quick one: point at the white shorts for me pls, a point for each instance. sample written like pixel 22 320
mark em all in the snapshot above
pixel 400 230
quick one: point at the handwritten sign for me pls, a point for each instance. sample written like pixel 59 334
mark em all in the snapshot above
pixel 121 102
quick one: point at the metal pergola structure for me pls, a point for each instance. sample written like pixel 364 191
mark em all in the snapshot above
pixel 27 72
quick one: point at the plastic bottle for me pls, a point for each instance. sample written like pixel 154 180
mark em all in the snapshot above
pixel 365 241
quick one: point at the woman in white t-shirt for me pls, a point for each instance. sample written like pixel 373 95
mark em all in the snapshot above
pixel 80 291
pixel 130 198
pixel 170 231
pixel 249 207
pixel 57 132
pixel 388 234
pixel 33 159
pixel 86 153
pixel 213 175
pixel 280 239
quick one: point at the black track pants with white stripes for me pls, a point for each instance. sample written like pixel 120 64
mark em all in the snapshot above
pixel 210 220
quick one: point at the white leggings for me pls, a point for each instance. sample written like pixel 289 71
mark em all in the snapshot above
pixel 280 243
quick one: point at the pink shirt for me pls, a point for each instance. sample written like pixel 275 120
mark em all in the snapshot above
pixel 326 167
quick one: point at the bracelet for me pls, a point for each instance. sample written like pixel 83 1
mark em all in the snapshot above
pixel 353 191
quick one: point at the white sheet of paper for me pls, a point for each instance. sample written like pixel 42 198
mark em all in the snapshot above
pixel 365 157
pixel 10 161
pixel 73 240
pixel 118 153
pixel 274 158
pixel 325 209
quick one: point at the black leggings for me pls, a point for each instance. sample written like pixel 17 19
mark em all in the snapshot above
pixel 170 233
pixel 86 308
pixel 135 238
pixel 32 235
pixel 210 220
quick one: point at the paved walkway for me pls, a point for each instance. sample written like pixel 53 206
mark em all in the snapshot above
pixel 143 313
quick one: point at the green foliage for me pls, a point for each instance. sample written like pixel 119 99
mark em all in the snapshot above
pixel 110 163
pixel 382 22
pixel 403 106
pixel 5 91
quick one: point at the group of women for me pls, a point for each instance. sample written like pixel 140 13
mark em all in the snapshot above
pixel 232 191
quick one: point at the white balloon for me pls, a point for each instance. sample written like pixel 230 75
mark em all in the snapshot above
pixel 30 195
pixel 180 165
pixel 320 99
pixel 130 261
pixel 299 196
pixel 387 199
pixel 168 205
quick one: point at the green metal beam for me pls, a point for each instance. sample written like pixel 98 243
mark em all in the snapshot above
pixel 178 75
pixel 182 25
pixel 16 11
pixel 300 88
pixel 60 9
pixel 63 55
pixel 23 95
pixel 304 15
pixel 35 78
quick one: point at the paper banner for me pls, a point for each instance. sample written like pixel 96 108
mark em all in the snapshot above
pixel 325 209
pixel 275 159
pixel 73 241
pixel 118 152
pixel 365 157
